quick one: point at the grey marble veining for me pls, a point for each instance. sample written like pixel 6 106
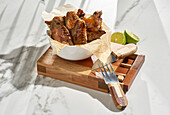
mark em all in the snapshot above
pixel 24 39
pixel 18 68
pixel 132 6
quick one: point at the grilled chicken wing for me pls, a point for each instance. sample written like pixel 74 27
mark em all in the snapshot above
pixel 60 33
pixel 94 35
pixel 93 23
pixel 71 19
pixel 82 29
pixel 78 33
pixel 57 19
pixel 80 13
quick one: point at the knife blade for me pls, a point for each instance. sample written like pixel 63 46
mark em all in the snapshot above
pixel 118 51
pixel 97 63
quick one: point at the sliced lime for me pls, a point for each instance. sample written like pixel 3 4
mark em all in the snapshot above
pixel 118 37
pixel 131 37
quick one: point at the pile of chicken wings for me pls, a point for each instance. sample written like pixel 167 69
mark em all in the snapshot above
pixel 75 28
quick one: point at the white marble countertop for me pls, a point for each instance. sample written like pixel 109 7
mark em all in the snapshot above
pixel 23 40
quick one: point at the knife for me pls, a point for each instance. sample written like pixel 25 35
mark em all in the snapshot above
pixel 118 51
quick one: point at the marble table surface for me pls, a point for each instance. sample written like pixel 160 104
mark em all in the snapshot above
pixel 23 40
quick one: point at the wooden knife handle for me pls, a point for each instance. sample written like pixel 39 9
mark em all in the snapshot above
pixel 118 95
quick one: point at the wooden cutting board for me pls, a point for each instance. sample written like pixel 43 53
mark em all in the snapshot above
pixel 80 73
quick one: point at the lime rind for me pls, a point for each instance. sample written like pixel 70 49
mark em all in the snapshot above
pixel 131 37
pixel 118 37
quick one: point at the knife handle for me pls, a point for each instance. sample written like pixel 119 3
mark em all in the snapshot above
pixel 118 95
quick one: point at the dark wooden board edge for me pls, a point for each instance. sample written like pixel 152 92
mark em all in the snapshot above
pixel 133 71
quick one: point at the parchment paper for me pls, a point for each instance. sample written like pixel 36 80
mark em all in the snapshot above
pixel 100 48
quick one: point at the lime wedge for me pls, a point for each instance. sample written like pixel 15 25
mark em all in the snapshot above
pixel 131 37
pixel 118 37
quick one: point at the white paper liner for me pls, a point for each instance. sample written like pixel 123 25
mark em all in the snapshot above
pixel 100 47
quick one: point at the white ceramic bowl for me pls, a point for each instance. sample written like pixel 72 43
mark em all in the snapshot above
pixel 74 53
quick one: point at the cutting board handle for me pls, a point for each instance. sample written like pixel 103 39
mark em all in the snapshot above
pixel 118 95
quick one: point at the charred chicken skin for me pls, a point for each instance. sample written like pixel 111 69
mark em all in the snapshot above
pixel 71 19
pixel 58 19
pixel 93 26
pixel 93 23
pixel 78 33
pixel 80 13
pixel 94 35
pixel 75 28
pixel 60 33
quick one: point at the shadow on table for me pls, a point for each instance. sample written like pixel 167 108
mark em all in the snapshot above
pixel 24 68
pixel 105 98
pixel 23 61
